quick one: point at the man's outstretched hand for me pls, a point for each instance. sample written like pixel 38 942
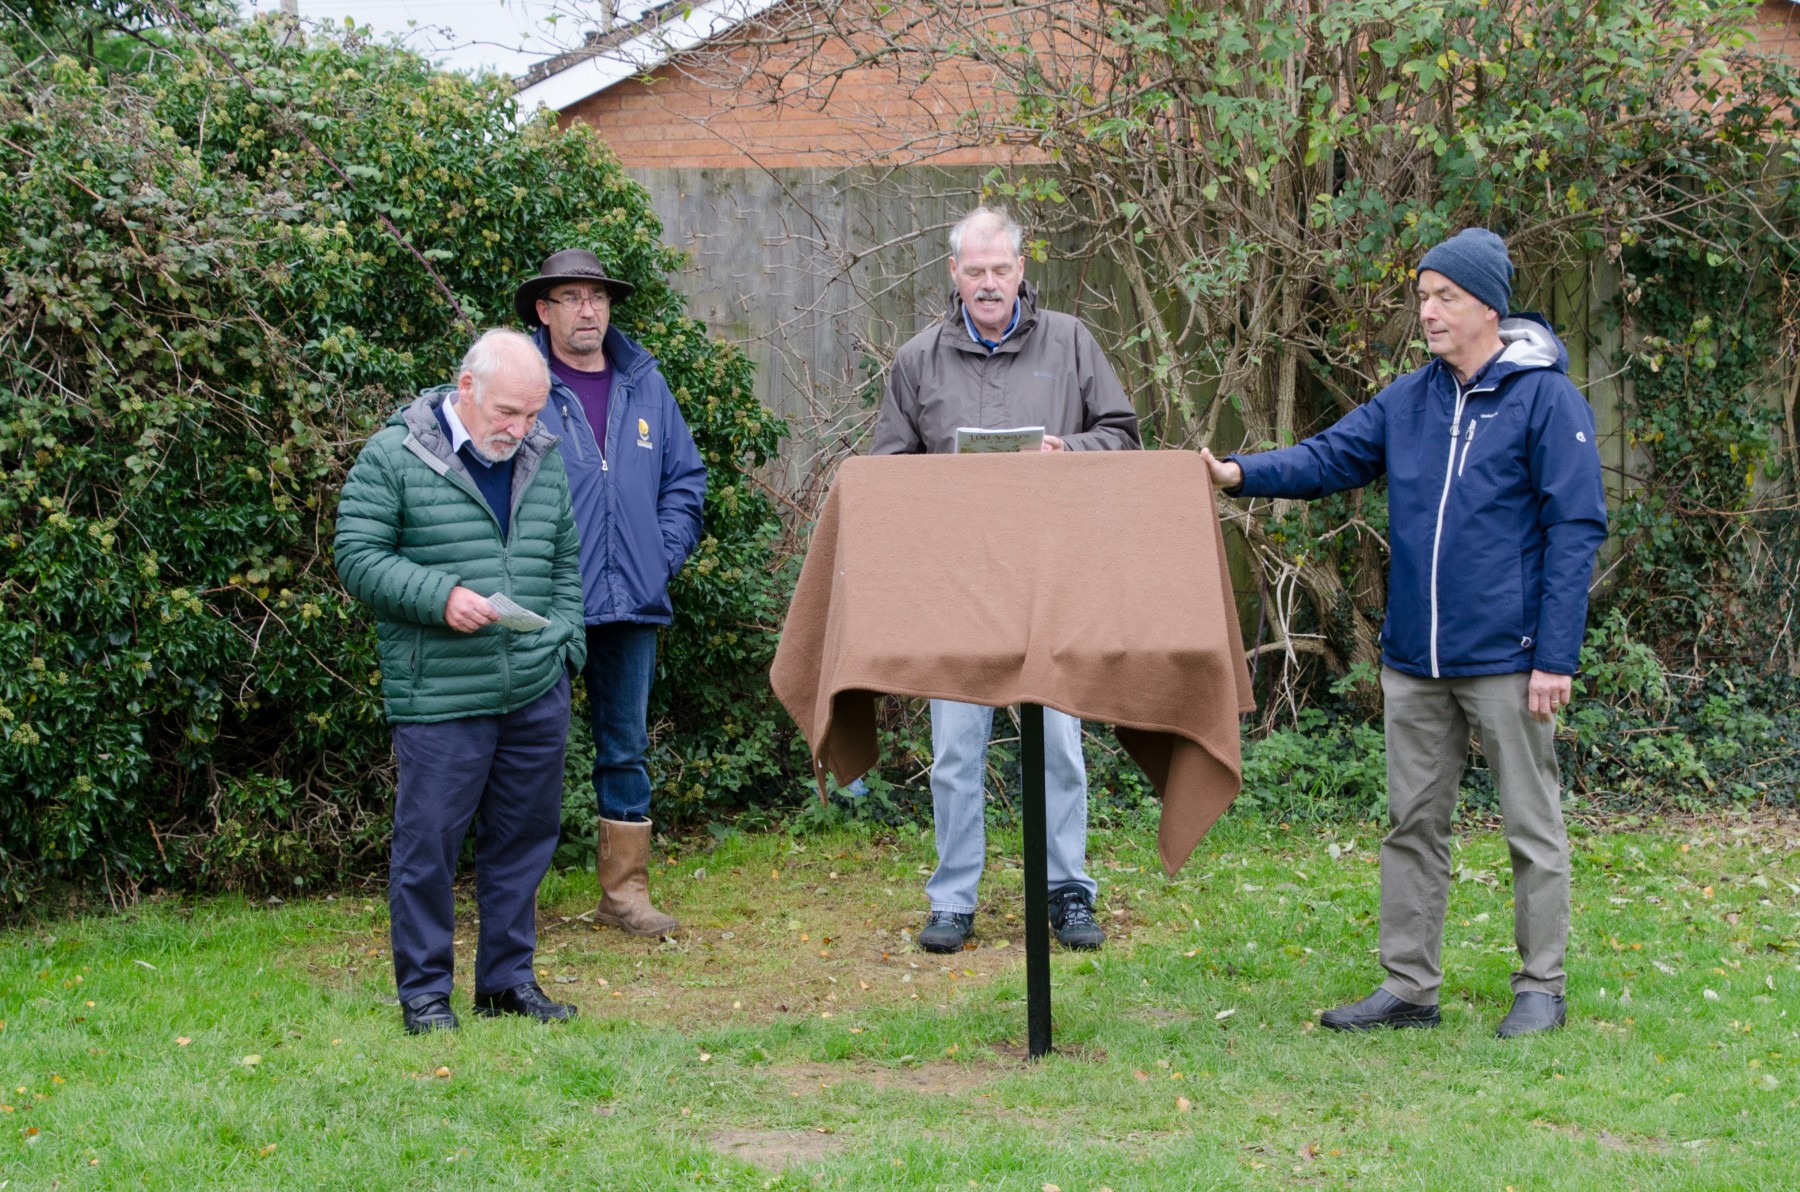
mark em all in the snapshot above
pixel 1225 473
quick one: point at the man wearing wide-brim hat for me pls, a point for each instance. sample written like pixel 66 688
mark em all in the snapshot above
pixel 637 485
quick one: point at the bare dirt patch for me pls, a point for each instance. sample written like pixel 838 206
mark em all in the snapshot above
pixel 937 1079
pixel 1080 1053
pixel 1606 1139
pixel 775 1150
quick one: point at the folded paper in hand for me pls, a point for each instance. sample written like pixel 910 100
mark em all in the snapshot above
pixel 515 616
pixel 973 440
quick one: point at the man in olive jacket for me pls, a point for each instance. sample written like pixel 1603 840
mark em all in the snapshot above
pixel 997 360
pixel 461 496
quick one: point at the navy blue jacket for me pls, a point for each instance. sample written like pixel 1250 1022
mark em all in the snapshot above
pixel 638 505
pixel 1495 506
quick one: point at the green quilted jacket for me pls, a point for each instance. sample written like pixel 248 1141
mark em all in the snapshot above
pixel 411 525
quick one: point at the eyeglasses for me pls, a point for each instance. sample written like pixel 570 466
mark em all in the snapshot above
pixel 594 302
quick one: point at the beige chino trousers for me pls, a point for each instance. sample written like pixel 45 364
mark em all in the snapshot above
pixel 1428 729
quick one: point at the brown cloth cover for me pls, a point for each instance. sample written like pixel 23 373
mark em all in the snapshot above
pixel 1093 583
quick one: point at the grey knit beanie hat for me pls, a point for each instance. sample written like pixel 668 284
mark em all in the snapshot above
pixel 1476 260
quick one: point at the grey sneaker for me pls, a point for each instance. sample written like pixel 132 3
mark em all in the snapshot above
pixel 945 931
pixel 1072 916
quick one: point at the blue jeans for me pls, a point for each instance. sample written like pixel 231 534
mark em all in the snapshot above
pixel 504 774
pixel 620 662
pixel 959 742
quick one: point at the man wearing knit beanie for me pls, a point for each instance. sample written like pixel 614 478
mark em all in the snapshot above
pixel 1495 512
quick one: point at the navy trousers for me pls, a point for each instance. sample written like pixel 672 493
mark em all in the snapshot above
pixel 505 775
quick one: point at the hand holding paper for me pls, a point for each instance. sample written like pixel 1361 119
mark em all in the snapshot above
pixel 971 440
pixel 515 616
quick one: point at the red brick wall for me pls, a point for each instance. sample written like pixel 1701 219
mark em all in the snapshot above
pixel 693 113
pixel 1778 28
pixel 701 113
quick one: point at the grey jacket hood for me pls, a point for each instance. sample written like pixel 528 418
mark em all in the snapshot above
pixel 426 439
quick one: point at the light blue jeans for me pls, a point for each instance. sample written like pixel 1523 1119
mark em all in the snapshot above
pixel 959 742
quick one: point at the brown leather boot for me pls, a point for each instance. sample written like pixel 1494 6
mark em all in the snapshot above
pixel 624 860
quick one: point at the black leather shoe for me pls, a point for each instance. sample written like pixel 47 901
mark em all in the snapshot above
pixel 1380 1008
pixel 1532 1011
pixel 945 931
pixel 526 1000
pixel 428 1012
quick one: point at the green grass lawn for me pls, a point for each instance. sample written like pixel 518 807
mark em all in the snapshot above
pixel 794 1038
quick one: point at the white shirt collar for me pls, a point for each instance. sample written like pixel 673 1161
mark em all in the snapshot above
pixel 459 434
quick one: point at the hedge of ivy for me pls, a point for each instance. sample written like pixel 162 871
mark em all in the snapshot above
pixel 222 269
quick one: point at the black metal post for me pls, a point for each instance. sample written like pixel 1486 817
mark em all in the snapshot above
pixel 1037 894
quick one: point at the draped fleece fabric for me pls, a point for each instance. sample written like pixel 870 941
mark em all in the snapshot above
pixel 1093 583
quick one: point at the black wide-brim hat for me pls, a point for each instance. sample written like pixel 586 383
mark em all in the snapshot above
pixel 571 264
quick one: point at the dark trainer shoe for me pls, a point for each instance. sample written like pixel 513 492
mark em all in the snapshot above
pixel 1072 917
pixel 1532 1011
pixel 1380 1008
pixel 945 931
pixel 526 1000
pixel 428 1012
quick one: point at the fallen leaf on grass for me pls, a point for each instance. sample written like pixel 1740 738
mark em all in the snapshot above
pixel 1183 1105
pixel 267 1150
pixel 1222 1015
pixel 182 1040
pixel 250 1061
pixel 1139 1074
pixel 1710 995
pixel 442 1073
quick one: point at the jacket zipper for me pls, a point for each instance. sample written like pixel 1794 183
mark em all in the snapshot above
pixel 569 420
pixel 1468 442
pixel 1437 539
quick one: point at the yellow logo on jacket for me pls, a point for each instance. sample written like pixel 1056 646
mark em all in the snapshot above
pixel 644 434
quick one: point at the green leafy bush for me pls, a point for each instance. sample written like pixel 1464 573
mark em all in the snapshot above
pixel 222 270
pixel 1645 738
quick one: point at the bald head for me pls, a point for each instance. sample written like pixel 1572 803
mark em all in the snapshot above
pixel 501 388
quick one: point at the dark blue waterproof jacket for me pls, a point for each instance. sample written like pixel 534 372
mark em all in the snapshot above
pixel 1495 506
pixel 638 504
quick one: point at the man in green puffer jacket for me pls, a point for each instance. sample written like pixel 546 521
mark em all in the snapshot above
pixel 462 497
